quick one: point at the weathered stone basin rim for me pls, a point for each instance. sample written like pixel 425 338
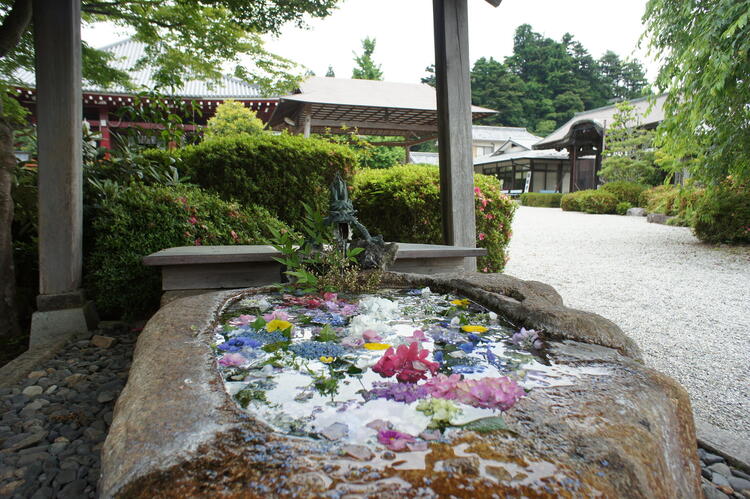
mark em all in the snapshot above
pixel 629 433
pixel 224 267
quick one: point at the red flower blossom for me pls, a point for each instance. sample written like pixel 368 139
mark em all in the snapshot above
pixel 409 364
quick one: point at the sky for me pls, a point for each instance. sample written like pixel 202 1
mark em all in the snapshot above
pixel 404 36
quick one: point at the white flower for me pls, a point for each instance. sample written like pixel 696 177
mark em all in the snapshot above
pixel 426 291
pixel 378 308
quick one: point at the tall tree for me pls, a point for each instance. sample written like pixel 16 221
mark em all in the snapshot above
pixel 330 73
pixel 430 79
pixel 494 86
pixel 366 69
pixel 184 39
pixel 705 49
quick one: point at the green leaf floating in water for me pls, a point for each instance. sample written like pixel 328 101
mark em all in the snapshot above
pixel 245 396
pixel 486 425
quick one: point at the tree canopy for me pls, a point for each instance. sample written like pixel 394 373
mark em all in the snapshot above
pixel 366 69
pixel 705 51
pixel 184 39
pixel 546 81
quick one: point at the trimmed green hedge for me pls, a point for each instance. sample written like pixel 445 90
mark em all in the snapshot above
pixel 589 201
pixel 722 214
pixel 278 172
pixel 547 200
pixel 671 200
pixel 138 220
pixel 403 204
pixel 625 192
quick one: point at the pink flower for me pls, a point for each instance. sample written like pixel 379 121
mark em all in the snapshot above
pixel 477 190
pixel 485 270
pixel 371 336
pixel 442 386
pixel 409 364
pixel 418 335
pixel 489 393
pixel 232 359
pixel 395 440
pixel 192 220
pixel 352 342
pixel 198 242
pixel 234 235
pixel 276 315
pixel 489 216
pixel 242 320
pixel 330 296
pixel 482 236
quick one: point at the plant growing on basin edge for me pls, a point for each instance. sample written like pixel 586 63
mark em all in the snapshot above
pixel 316 263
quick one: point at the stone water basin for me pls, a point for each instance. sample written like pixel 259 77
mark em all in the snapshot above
pixel 222 401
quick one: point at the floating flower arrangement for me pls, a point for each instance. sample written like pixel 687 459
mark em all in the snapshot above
pixel 394 370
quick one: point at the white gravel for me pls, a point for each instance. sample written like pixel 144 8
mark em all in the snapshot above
pixel 685 303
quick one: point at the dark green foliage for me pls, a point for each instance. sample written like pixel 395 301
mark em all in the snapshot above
pixel 138 220
pixel 277 172
pixel 623 207
pixel 545 81
pixel 403 204
pixel 722 214
pixel 589 201
pixel 629 192
pixel 547 200
pixel 629 153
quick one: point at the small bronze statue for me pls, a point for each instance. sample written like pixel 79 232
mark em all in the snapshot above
pixel 342 215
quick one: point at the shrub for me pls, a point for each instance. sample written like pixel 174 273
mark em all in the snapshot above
pixel 625 191
pixel 673 201
pixel 623 207
pixel 597 201
pixel 571 201
pixel 277 172
pixel 233 118
pixel 547 200
pixel 722 215
pixel 138 220
pixel 403 204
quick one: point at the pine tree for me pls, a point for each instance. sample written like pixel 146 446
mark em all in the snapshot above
pixel 366 68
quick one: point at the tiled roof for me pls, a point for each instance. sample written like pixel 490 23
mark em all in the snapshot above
pixel 128 52
pixel 504 133
pixel 601 117
pixel 430 158
pixel 543 154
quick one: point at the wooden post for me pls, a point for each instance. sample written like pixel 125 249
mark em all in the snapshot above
pixel 454 123
pixel 572 153
pixel 57 44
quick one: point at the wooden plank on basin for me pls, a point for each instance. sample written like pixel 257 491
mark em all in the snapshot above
pixel 190 255
pixel 428 265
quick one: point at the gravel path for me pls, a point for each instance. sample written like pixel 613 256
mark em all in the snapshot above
pixel 686 304
pixel 54 422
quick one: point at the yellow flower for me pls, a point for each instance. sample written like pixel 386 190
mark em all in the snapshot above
pixel 474 329
pixel 461 303
pixel 326 360
pixel 278 324
pixel 377 346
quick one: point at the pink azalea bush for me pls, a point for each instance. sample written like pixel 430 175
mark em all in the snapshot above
pixel 409 364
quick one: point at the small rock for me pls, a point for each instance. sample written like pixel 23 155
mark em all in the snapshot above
pixel 336 431
pixel 33 391
pixel 102 341
pixel 706 473
pixel 105 397
pixel 740 474
pixel 62 440
pixel 388 455
pixel 73 490
pixel 43 493
pixel 636 212
pixel 51 389
pixel 310 482
pixel 720 480
pixel 710 459
pixel 721 468
pixel 8 489
pixel 57 447
pixel 739 484
pixel 361 452
pixel 37 374
pixel 32 458
pixel 74 379
pixel 65 476
pixel 32 439
pixel 711 492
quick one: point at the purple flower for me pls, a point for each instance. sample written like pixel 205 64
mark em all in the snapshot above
pixel 242 320
pixel 395 440
pixel 399 392
pixel 477 339
pixel 238 343
pixel 527 338
pixel 463 369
